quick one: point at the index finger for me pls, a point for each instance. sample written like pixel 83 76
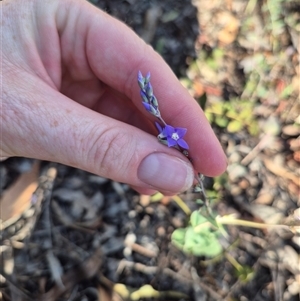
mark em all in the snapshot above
pixel 116 54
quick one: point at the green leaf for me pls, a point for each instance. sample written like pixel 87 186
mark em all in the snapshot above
pixel 203 243
pixel 218 53
pixel 212 194
pixel 234 126
pixel 261 91
pixel 232 114
pixel 193 239
pixel 245 274
pixel 221 121
pixel 178 236
pixel 287 91
pixel 246 113
pixel 207 246
pixel 253 128
pixel 213 64
pixel 213 250
pixel 199 202
pixel 197 219
pixel 209 116
pixel 217 108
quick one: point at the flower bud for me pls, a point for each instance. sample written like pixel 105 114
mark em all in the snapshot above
pixel 147 106
pixel 144 97
pixel 154 101
pixel 147 78
pixel 149 90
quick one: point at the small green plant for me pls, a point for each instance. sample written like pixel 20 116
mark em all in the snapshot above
pixel 200 237
pixel 244 273
pixel 234 116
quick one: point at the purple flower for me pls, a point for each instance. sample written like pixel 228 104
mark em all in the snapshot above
pixel 168 135
pixel 174 136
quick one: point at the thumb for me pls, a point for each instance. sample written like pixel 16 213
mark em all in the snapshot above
pixel 53 127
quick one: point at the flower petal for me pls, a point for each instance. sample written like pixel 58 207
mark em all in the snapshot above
pixel 182 143
pixel 180 131
pixel 171 142
pixel 159 128
pixel 169 130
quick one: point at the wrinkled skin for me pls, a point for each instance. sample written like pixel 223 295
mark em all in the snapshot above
pixel 70 95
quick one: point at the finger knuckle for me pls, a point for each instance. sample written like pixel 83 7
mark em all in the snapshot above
pixel 110 152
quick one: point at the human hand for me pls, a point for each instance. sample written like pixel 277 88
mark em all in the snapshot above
pixel 70 95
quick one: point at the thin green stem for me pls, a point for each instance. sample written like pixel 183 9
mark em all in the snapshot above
pixel 233 261
pixel 161 119
pixel 182 205
pixel 229 220
pixel 206 200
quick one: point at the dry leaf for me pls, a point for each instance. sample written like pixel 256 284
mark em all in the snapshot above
pixel 18 197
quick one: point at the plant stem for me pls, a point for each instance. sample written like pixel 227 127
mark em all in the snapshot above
pixel 199 178
pixel 182 205
pixel 233 261
pixel 161 119
pixel 229 220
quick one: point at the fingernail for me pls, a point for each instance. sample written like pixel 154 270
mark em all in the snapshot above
pixel 166 172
